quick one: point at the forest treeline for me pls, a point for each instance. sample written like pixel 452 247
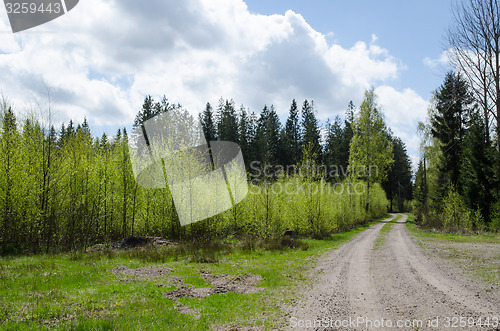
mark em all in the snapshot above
pixel 65 189
pixel 457 185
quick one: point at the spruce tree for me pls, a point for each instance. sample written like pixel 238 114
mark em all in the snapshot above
pixel 208 123
pixel 291 139
pixel 453 106
pixel 311 135
pixel 227 126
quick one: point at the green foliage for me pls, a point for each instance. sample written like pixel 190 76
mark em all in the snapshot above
pixel 310 130
pixel 208 123
pixel 449 122
pixel 68 191
pixel 246 132
pixel 227 123
pixel 370 153
pixel 338 141
pixel 458 152
pixel 398 184
pixel 477 172
pixel 456 216
pixel 292 138
pixel 370 146
pixel 495 218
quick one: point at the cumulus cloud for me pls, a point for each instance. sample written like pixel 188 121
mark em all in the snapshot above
pixel 403 110
pixel 101 59
pixel 106 55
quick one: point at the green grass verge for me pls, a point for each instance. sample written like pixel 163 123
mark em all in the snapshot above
pixel 380 241
pixel 79 292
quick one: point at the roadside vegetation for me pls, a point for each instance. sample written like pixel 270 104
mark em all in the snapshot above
pixel 457 184
pixel 65 190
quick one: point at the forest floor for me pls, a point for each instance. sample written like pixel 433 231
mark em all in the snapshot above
pixel 396 276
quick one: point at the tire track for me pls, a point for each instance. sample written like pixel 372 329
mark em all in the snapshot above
pixel 420 288
pixel 395 282
pixel 343 284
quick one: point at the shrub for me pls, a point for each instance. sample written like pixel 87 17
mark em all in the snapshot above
pixel 456 216
pixel 494 225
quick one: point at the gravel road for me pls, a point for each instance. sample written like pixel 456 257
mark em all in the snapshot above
pixel 385 281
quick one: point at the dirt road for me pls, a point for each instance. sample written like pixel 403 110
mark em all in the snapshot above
pixel 385 281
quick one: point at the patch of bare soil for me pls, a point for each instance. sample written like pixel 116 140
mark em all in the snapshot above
pixel 478 261
pixel 186 310
pixel 234 328
pixel 243 284
pixel 143 273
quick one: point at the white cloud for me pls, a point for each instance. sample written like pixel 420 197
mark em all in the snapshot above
pixel 443 61
pixel 403 110
pixel 104 56
pixel 193 51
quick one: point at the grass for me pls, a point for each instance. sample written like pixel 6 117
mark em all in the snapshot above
pixel 467 238
pixel 78 291
pixel 380 241
pixel 477 255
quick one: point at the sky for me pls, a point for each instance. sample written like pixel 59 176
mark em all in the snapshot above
pixel 102 58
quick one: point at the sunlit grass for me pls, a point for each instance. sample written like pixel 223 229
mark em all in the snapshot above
pixel 380 241
pixel 483 237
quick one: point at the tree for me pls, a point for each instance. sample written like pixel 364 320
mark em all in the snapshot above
pixel 311 135
pixel 347 135
pixel 338 141
pixel 371 152
pixel 246 128
pixel 267 137
pixel 150 109
pixel 420 191
pixel 449 122
pixel 334 139
pixel 9 170
pixel 227 126
pixel 292 136
pixel 104 185
pixel 398 182
pixel 208 124
pixel 477 173
pixel 474 39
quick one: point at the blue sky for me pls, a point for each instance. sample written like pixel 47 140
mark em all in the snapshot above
pixel 100 60
pixel 410 30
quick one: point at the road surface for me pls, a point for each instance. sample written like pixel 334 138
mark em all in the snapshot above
pixel 387 282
